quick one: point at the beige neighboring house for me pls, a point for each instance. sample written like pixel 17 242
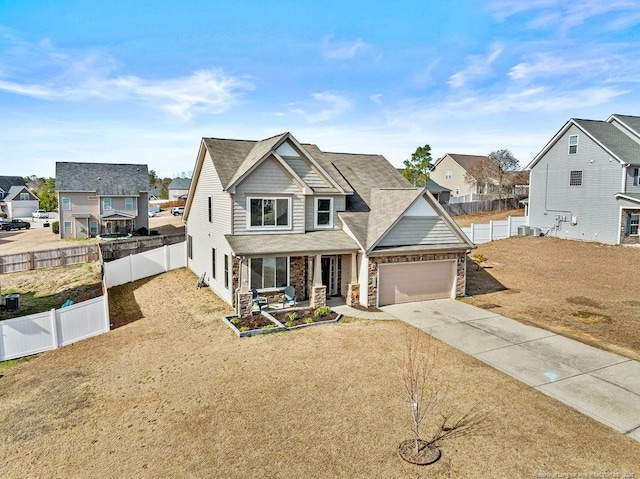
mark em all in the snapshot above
pixel 101 198
pixel 16 201
pixel 451 172
pixel 274 213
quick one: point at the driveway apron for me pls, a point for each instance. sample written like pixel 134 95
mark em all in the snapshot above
pixel 600 384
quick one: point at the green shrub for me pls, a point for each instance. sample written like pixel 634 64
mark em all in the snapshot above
pixel 55 227
pixel 243 329
pixel 289 324
pixel 292 316
pixel 308 321
pixel 321 311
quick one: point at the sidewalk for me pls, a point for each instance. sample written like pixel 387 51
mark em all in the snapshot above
pixel 600 384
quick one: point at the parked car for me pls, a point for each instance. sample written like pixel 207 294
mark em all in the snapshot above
pixel 151 214
pixel 8 225
pixel 40 214
pixel 177 210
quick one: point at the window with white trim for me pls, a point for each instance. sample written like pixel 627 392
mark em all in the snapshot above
pixel 269 273
pixel 269 213
pixel 66 228
pixel 573 144
pixel 634 223
pixel 66 203
pixel 128 204
pixel 93 228
pixel 226 271
pixel 636 174
pixel 323 217
pixel 24 196
pixel 575 178
pixel 106 204
pixel 448 174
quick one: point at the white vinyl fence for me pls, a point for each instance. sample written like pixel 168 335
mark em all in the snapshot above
pixel 143 265
pixel 50 330
pixel 495 230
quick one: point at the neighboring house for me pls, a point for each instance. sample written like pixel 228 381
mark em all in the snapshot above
pixel 440 193
pixel 267 214
pixel 99 198
pixel 585 183
pixel 179 189
pixel 154 194
pixel 452 172
pixel 16 201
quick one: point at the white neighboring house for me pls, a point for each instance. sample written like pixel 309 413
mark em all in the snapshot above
pixel 179 189
pixel 16 201
pixel 273 213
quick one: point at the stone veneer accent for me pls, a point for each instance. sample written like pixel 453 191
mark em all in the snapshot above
pixel 624 239
pixel 376 260
pixel 318 296
pixel 353 294
pixel 245 302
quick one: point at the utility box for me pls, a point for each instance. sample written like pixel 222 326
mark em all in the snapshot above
pixel 12 302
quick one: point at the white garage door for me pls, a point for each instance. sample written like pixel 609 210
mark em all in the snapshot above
pixel 417 281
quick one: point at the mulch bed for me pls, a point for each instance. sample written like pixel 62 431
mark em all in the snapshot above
pixel 303 314
pixel 427 453
pixel 252 322
pixel 371 309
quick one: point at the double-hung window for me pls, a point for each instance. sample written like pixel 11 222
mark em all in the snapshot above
pixel 269 272
pixel 323 213
pixel 66 203
pixel 636 175
pixel 24 196
pixel 573 144
pixel 128 204
pixel 269 213
pixel 66 228
pixel 106 204
pixel 448 174
pixel 634 223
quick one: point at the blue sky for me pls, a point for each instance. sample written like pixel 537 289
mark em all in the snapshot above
pixel 142 81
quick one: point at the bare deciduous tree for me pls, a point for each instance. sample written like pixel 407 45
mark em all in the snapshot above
pixel 495 173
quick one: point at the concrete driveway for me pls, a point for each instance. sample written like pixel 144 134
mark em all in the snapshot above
pixel 602 385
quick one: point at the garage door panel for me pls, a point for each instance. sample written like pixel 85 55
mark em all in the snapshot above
pixel 417 281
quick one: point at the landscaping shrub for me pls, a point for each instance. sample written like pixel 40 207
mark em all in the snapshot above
pixel 55 227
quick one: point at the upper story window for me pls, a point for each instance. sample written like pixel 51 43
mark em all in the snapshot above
pixel 636 175
pixel 269 212
pixel 573 144
pixel 106 204
pixel 2 193
pixel 66 203
pixel 448 174
pixel 128 203
pixel 324 213
pixel 575 178
pixel 24 196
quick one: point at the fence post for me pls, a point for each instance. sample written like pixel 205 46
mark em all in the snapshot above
pixel 491 230
pixel 130 268
pixel 473 233
pixel 167 259
pixel 509 227
pixel 54 328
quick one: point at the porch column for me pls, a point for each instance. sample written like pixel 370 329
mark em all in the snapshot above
pixel 318 295
pixel 353 288
pixel 244 300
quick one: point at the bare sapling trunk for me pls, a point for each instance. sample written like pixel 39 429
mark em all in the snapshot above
pixel 422 389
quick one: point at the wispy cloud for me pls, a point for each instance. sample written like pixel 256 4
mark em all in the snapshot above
pixel 477 66
pixel 324 106
pixel 63 76
pixel 342 50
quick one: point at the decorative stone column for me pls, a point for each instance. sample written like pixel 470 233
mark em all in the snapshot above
pixel 318 295
pixel 353 288
pixel 244 297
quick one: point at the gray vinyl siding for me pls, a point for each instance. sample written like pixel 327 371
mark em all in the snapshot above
pixel 339 204
pixel 268 180
pixel 419 230
pixel 207 235
pixel 593 204
pixel 457 180
pixel 81 203
pixel 305 172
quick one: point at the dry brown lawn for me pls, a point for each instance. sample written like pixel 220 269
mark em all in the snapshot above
pixel 465 220
pixel 173 393
pixel 588 291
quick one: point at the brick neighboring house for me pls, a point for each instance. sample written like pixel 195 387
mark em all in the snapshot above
pixel 267 214
pixel 585 183
pixel 99 198
pixel 16 201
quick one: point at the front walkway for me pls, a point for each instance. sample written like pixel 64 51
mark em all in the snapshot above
pixel 602 385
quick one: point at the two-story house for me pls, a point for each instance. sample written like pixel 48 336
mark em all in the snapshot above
pixel 16 201
pixel 454 171
pixel 267 214
pixel 101 198
pixel 178 189
pixel 585 183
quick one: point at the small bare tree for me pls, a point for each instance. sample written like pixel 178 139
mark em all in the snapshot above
pixel 423 391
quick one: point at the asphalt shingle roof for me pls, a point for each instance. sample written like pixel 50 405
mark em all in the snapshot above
pixel 6 182
pixel 632 122
pixel 291 244
pixel 612 138
pixel 103 178
pixel 180 184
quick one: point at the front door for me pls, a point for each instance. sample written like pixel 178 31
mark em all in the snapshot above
pixel 330 274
